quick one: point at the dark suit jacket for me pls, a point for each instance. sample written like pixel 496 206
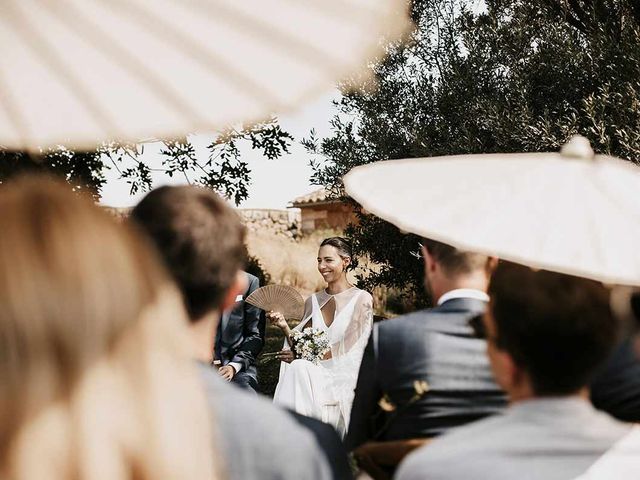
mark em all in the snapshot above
pixel 616 387
pixel 330 444
pixel 437 346
pixel 240 335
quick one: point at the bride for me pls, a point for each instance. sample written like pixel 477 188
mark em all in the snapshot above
pixel 344 312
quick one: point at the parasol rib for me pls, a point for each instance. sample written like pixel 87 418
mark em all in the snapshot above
pixel 47 55
pixel 337 8
pixel 13 113
pixel 165 31
pixel 89 30
pixel 292 46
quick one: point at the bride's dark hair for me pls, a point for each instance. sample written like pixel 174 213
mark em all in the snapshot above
pixel 344 249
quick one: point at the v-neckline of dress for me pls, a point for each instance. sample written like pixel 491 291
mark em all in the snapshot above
pixel 335 313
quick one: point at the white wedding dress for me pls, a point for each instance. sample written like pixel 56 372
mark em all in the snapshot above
pixel 325 391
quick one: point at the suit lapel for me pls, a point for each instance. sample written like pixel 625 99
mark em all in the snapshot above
pixel 225 320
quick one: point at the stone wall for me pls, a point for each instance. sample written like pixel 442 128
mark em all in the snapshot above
pixel 285 223
pixel 121 213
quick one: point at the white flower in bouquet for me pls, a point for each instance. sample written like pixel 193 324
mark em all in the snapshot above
pixel 310 344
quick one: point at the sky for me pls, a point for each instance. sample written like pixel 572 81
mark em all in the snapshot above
pixel 274 183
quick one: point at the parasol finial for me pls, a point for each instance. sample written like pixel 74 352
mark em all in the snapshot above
pixel 577 147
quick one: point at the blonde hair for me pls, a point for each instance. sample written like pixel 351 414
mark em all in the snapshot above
pixel 97 382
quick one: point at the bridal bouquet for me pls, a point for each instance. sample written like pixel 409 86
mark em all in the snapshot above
pixel 310 344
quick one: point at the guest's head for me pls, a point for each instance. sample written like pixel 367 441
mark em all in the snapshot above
pixel 201 240
pixel 92 347
pixel 335 258
pixel 546 332
pixel 447 268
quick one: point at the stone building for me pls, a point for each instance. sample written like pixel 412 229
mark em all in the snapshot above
pixel 318 212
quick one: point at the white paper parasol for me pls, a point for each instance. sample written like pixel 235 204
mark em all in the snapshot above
pixel 569 212
pixel 76 72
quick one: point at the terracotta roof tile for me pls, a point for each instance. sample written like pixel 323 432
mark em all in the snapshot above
pixel 316 196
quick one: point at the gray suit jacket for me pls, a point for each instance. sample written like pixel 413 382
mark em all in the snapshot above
pixel 435 345
pixel 241 333
pixel 257 440
pixel 541 439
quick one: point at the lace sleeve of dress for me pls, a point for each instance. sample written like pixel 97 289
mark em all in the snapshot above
pixel 359 328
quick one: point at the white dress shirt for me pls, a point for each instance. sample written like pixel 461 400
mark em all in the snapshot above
pixel 463 293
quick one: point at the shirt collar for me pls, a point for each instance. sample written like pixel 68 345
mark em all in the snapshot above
pixel 463 293
pixel 555 406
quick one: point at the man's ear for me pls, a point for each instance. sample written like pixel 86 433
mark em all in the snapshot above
pixel 238 287
pixel 492 264
pixel 511 369
pixel 513 376
pixel 505 370
pixel 429 261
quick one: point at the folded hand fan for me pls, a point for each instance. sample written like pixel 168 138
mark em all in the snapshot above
pixel 278 298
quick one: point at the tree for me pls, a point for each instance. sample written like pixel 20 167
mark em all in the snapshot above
pixel 83 170
pixel 223 170
pixel 516 76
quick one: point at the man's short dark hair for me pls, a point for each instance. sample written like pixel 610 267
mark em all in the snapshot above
pixel 453 261
pixel 558 328
pixel 200 238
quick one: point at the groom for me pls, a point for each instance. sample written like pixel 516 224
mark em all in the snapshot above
pixel 240 339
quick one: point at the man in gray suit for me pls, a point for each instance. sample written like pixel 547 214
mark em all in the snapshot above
pixel 201 241
pixel 435 346
pixel 240 339
pixel 547 333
